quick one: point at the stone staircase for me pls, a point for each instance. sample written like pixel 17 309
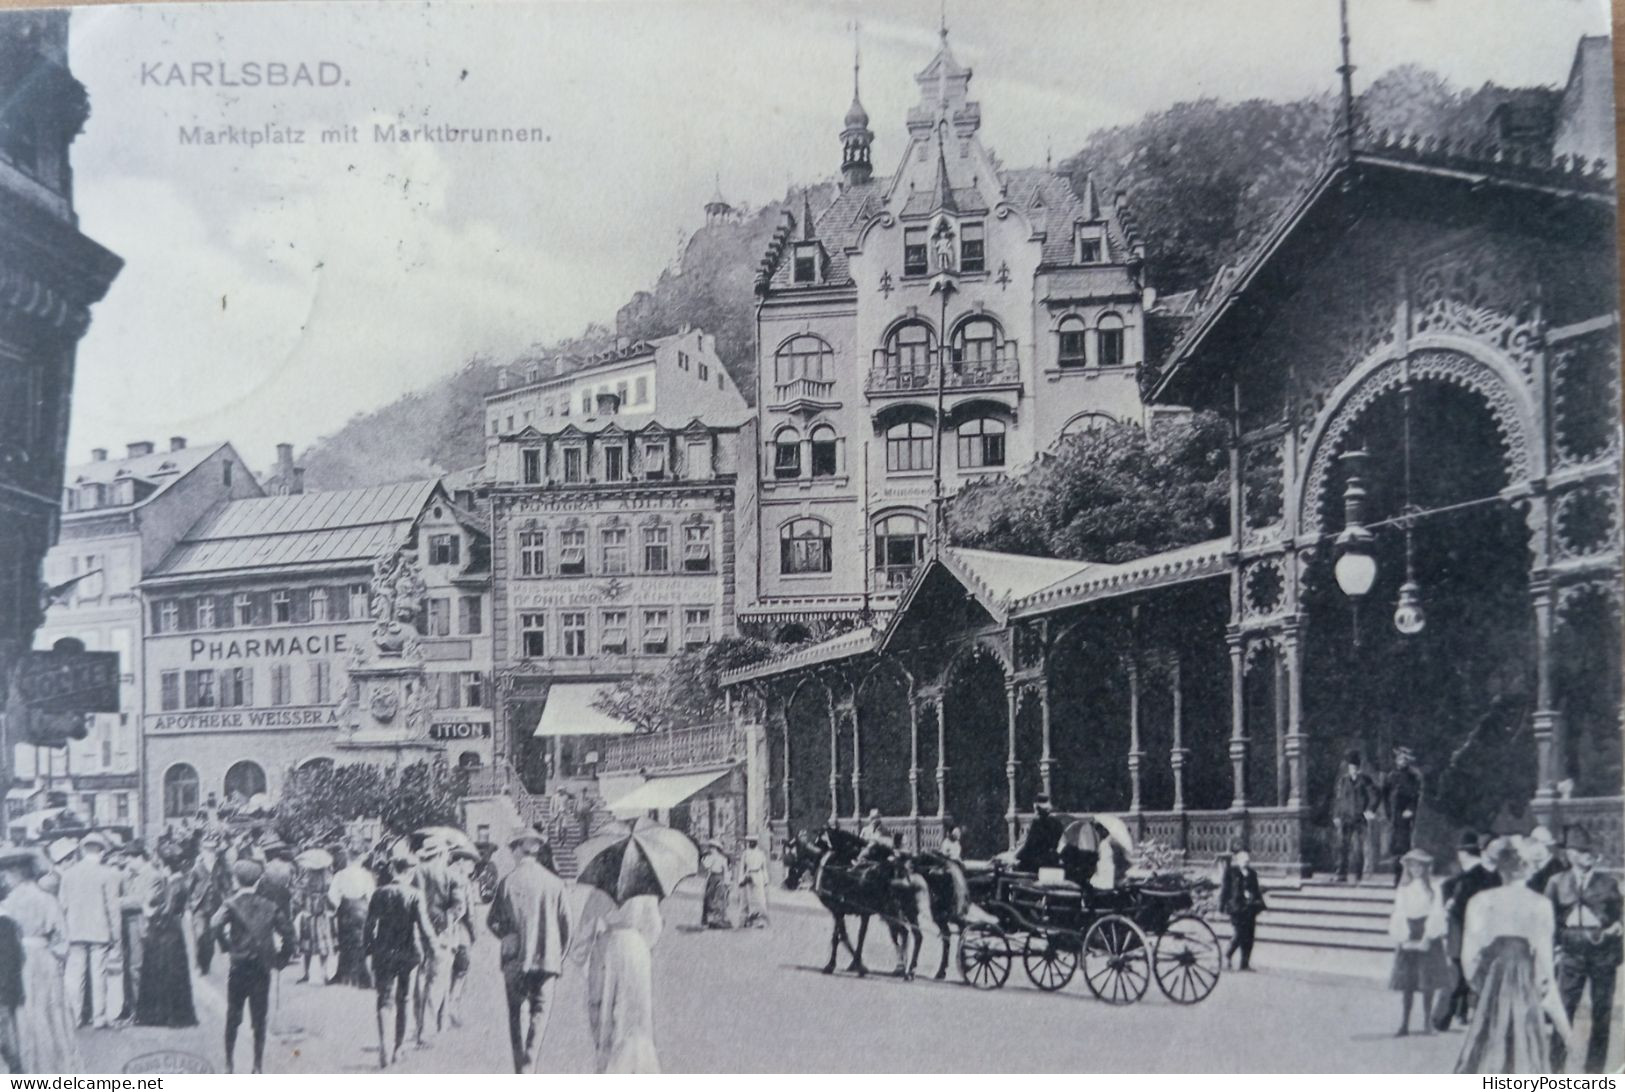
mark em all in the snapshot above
pixel 1320 926
pixel 498 799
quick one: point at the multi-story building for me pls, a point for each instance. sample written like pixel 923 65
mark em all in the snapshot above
pixel 612 503
pixel 919 331
pixel 120 516
pixel 260 615
pixel 51 274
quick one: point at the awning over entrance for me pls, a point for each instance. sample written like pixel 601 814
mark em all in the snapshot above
pixel 569 712
pixel 665 792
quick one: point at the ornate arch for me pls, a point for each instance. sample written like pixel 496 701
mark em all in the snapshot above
pixel 1455 361
pixel 967 651
pixel 884 664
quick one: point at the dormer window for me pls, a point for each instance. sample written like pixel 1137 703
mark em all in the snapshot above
pixel 572 465
pixel 972 252
pixel 654 461
pixel 915 263
pixel 1091 244
pixel 614 463
pixel 805 269
pixel 443 549
pixel 531 465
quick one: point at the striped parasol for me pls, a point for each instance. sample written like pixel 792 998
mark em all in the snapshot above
pixel 638 858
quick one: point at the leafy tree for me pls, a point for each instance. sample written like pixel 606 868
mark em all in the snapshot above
pixel 1111 495
pixel 687 692
pixel 317 800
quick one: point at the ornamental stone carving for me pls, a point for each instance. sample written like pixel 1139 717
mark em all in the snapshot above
pixel 1485 290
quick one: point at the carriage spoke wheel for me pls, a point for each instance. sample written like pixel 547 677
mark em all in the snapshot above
pixel 1116 960
pixel 984 958
pixel 1186 959
pixel 1048 963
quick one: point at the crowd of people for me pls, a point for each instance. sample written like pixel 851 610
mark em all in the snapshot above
pixel 1506 948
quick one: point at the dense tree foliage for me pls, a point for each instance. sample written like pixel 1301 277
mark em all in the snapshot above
pixel 687 692
pixel 318 799
pixel 1111 494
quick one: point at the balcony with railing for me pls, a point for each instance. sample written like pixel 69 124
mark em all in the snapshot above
pixel 708 747
pixel 976 365
pixel 804 393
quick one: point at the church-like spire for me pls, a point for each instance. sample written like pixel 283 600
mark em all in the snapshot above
pixel 857 165
pixel 1090 200
pixel 807 233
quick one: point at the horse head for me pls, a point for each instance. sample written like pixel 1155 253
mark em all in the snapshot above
pixel 801 857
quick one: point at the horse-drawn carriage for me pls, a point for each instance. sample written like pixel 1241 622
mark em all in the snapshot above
pixel 1123 933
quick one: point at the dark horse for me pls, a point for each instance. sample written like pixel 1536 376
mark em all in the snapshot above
pixel 852 878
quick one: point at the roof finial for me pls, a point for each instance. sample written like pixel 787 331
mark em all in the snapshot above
pixel 1346 71
pixel 857 57
pixel 1049 152
pixel 942 22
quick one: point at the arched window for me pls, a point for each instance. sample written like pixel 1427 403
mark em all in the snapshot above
pixel 1071 352
pixel 908 349
pixel 899 548
pixel 180 792
pixel 981 443
pixel 823 452
pixel 803 357
pixel 1111 340
pixel 804 546
pixel 787 453
pixel 1087 422
pixel 245 780
pixel 908 446
pixel 469 760
pixel 976 344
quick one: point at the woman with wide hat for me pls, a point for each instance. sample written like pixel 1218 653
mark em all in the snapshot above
pixel 1417 927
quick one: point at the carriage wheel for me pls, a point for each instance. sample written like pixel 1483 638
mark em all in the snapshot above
pixel 1187 959
pixel 1048 963
pixel 1116 960
pixel 984 958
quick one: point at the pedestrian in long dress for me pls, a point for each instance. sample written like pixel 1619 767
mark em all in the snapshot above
pixel 753 882
pixel 1586 905
pixel 349 893
pixel 530 915
pixel 1476 875
pixel 1402 799
pixel 1506 952
pixel 445 897
pixel 258 935
pixel 398 938
pixel 620 986
pixel 1417 928
pixel 714 903
pixel 462 942
pixel 45 1040
pixel 90 903
pixel 164 998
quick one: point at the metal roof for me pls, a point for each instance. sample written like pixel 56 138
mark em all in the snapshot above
pixel 304 530
pixel 160 469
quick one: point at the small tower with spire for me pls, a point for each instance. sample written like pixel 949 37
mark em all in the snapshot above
pixel 857 166
pixel 717 210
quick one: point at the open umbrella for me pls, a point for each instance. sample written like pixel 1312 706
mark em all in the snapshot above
pixel 640 858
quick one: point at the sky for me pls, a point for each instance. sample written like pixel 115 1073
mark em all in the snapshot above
pixel 272 292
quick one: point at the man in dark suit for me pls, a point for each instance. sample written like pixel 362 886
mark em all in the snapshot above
pixel 1354 804
pixel 1241 897
pixel 1402 796
pixel 1041 848
pixel 1476 875
pixel 1586 904
pixel 258 935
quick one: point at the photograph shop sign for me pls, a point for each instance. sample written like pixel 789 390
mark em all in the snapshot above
pixel 67 681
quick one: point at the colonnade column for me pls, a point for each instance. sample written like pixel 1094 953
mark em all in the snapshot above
pixel 1297 743
pixel 913 753
pixel 1546 721
pixel 942 758
pixel 1046 764
pixel 1177 756
pixel 834 757
pixel 1134 752
pixel 857 762
pixel 1012 703
pixel 1238 719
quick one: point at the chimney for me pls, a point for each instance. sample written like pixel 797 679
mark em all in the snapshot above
pixel 98 454
pixel 177 443
pixel 284 457
pixel 139 448
pixel 609 404
pixel 290 479
pixel 298 485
